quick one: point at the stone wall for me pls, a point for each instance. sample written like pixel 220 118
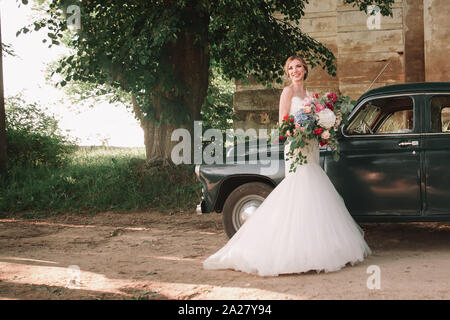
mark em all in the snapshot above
pixel 363 53
pixel 437 45
pixel 411 46
pixel 413 26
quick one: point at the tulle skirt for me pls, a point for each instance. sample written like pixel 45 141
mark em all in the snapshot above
pixel 302 225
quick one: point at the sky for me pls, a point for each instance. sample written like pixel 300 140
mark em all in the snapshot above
pixel 25 74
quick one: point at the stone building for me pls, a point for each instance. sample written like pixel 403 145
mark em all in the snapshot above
pixel 411 46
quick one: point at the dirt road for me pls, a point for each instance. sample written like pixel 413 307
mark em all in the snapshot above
pixel 159 256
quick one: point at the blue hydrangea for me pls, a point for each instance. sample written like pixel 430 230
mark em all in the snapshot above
pixel 302 118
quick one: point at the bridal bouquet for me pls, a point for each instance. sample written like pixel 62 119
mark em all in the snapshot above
pixel 318 120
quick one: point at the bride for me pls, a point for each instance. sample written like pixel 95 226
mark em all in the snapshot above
pixel 303 224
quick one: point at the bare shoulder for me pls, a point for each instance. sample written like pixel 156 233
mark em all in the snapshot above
pixel 287 92
pixel 285 100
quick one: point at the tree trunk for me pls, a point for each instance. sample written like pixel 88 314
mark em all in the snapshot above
pixel 3 155
pixel 158 145
pixel 190 62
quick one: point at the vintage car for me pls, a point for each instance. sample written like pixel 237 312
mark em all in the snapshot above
pixel 394 162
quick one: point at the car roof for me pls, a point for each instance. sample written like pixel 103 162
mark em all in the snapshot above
pixel 413 87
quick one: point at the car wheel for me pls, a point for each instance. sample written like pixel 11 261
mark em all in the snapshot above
pixel 241 203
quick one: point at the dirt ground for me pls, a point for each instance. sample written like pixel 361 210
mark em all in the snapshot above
pixel 153 255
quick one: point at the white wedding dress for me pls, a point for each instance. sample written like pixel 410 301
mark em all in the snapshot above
pixel 302 225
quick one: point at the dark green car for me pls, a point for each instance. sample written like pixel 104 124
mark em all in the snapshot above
pixel 394 162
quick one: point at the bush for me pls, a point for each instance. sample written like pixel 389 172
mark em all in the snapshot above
pixel 100 179
pixel 33 138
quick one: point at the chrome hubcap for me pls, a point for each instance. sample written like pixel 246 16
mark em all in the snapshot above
pixel 245 208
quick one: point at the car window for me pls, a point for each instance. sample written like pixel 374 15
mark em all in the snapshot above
pixel 383 116
pixel 398 122
pixel 440 114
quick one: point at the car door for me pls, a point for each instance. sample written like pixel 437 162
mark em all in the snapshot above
pixel 378 173
pixel 437 154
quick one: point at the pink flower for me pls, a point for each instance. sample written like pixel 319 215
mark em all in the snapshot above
pixel 307 101
pixel 319 107
pixel 326 135
pixel 307 109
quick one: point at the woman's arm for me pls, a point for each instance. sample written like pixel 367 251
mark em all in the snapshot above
pixel 285 103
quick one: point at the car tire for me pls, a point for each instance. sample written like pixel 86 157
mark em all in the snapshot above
pixel 241 203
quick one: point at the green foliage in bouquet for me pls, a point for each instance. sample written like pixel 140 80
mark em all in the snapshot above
pixel 317 121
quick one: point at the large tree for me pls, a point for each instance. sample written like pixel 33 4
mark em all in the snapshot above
pixel 160 51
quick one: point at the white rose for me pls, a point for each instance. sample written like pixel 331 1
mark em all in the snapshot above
pixel 326 118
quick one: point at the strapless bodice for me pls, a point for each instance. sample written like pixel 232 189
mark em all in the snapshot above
pixel 296 105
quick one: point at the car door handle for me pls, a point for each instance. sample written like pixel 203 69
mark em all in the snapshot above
pixel 414 143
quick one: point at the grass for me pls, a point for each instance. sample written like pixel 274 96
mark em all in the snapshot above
pixel 99 179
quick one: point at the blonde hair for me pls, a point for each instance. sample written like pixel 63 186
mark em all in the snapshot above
pixel 292 58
